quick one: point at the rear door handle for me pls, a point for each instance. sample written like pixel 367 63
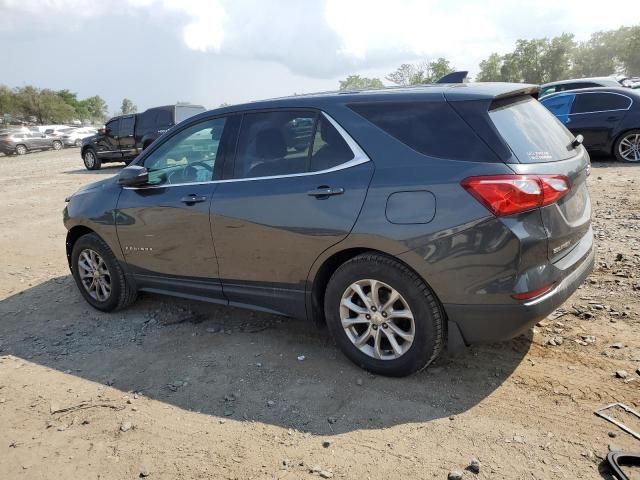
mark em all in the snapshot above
pixel 193 198
pixel 323 192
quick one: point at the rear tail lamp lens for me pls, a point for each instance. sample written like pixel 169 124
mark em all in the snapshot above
pixel 510 194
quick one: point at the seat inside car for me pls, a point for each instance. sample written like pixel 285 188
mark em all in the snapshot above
pixel 333 152
pixel 270 150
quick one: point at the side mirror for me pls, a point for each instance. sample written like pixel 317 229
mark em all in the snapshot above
pixel 102 131
pixel 133 176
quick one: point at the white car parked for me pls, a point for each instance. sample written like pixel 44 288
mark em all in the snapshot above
pixel 74 137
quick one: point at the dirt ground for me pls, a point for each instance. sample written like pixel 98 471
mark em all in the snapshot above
pixel 173 389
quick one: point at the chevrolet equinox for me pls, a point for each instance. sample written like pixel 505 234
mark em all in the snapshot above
pixel 398 217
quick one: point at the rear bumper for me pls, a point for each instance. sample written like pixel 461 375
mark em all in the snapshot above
pixel 483 323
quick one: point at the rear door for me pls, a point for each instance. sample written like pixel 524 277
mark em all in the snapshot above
pixel 595 115
pixel 542 147
pixel 290 195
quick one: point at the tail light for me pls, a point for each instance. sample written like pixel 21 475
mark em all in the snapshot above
pixel 509 194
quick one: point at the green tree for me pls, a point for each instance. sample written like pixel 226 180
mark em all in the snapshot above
pixel 128 107
pixel 420 73
pixel 96 109
pixel 490 69
pixel 45 105
pixel 629 53
pixel 356 82
pixel 557 59
pixel 7 101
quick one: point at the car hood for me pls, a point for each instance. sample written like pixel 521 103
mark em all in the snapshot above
pixel 95 186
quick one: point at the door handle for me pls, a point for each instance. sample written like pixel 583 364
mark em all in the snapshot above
pixel 193 198
pixel 324 192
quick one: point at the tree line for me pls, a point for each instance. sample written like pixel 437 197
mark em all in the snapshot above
pixel 43 105
pixel 531 61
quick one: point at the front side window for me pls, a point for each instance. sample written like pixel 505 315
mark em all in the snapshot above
pixel 287 143
pixel 560 105
pixel 600 102
pixel 187 157
pixel 112 128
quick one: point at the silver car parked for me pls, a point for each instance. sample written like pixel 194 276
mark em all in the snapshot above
pixel 24 142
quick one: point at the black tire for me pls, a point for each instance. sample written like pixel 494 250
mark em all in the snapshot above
pixel 57 145
pixel 630 136
pixel 91 159
pixel 122 293
pixel 21 149
pixel 428 316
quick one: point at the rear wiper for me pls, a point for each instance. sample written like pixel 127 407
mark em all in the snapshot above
pixel 576 142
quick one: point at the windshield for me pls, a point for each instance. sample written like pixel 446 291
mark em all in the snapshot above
pixel 533 134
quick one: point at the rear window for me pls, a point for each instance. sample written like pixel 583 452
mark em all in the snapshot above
pixel 430 128
pixel 183 112
pixel 533 134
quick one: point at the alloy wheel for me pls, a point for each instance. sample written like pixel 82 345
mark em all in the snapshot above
pixel 89 159
pixel 377 319
pixel 629 147
pixel 57 145
pixel 94 275
pixel 21 149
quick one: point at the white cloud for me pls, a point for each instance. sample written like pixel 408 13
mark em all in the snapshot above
pixel 331 37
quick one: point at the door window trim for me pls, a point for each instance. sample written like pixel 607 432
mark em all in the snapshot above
pixel 359 157
pixel 592 93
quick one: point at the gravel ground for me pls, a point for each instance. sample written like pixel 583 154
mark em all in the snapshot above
pixel 176 389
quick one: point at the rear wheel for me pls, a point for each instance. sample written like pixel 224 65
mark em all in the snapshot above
pixel 91 160
pixel 383 316
pixel 57 145
pixel 21 149
pixel 627 147
pixel 99 275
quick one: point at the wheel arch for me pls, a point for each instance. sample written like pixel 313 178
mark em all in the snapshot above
pixel 320 279
pixel 72 237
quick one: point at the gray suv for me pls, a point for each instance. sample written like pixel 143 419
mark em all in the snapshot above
pixel 400 218
pixel 21 143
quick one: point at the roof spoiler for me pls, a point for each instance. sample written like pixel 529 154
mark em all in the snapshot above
pixel 454 77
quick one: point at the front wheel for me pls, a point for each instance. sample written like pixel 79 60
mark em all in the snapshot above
pixel 21 149
pixel 627 147
pixel 91 160
pixel 383 316
pixel 99 275
pixel 57 145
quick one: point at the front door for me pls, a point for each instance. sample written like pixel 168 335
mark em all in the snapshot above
pixel 297 187
pixel 164 227
pixel 107 145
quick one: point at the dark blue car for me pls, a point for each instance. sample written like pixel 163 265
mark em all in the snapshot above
pixel 607 118
pixel 401 218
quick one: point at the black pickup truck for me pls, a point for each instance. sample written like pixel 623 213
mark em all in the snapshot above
pixel 124 137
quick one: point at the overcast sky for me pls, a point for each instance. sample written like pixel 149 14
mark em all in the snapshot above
pixel 214 51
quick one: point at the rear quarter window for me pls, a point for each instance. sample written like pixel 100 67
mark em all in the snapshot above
pixel 600 102
pixel 430 128
pixel 531 131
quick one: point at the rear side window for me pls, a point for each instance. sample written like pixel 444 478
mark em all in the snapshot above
pixel 287 143
pixel 184 112
pixel 533 134
pixel 126 126
pixel 600 102
pixel 430 128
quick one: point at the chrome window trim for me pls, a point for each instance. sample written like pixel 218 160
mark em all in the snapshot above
pixel 359 157
pixel 564 94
